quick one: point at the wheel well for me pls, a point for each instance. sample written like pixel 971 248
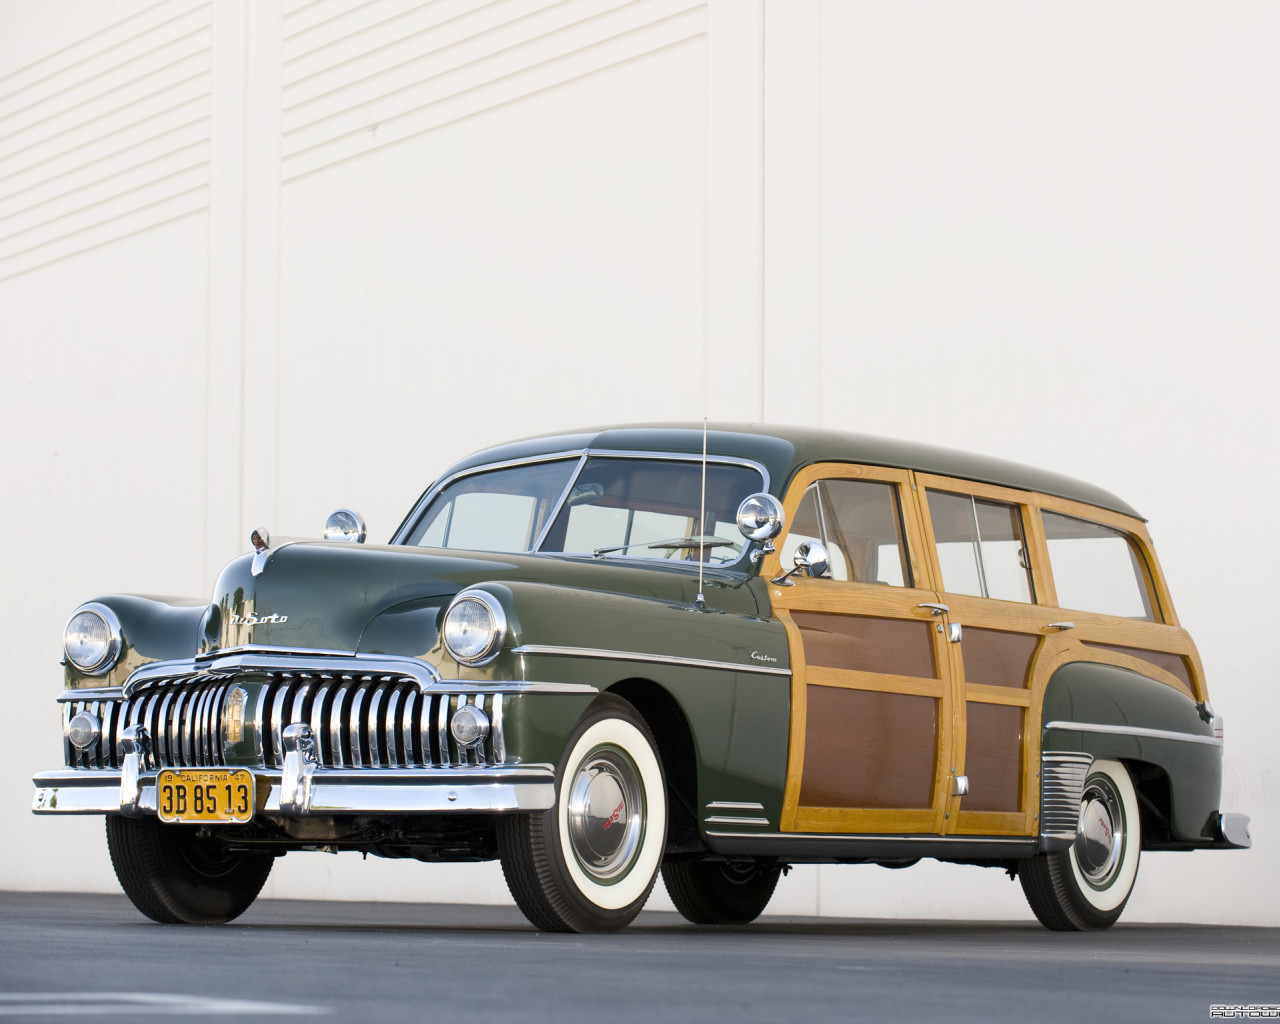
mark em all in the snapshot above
pixel 1155 800
pixel 671 732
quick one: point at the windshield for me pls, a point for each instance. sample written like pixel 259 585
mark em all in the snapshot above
pixel 617 506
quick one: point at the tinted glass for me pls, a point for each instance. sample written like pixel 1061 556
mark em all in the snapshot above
pixel 1096 568
pixel 501 510
pixel 649 508
pixel 860 524
pixel 981 548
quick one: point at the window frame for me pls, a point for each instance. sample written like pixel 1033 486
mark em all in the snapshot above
pixel 912 537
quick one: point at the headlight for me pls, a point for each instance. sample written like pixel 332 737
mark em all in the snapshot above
pixel 474 627
pixel 92 639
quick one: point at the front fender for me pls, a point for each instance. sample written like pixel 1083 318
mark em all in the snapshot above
pixel 152 629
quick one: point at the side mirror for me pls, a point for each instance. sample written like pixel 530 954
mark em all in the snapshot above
pixel 811 558
pixel 346 525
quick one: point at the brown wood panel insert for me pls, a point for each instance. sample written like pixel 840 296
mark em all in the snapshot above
pixel 868 749
pixel 995 657
pixel 900 647
pixel 993 756
pixel 1174 664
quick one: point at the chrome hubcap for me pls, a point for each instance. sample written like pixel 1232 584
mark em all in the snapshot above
pixel 605 814
pixel 1100 838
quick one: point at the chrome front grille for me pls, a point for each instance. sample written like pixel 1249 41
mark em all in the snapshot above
pixel 359 721
pixel 374 721
pixel 183 721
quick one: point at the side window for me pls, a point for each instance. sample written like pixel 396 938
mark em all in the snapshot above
pixel 981 547
pixel 1096 568
pixel 860 524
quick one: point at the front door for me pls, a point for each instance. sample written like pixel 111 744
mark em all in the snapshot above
pixel 872 720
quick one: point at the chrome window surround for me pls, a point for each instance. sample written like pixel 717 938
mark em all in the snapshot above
pixel 114 647
pixel 582 455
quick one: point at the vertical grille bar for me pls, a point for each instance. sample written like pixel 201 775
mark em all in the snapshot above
pixel 106 746
pixel 407 717
pixel 161 735
pixel 375 701
pixel 340 696
pixel 353 725
pixel 317 722
pixel 389 722
pixel 277 723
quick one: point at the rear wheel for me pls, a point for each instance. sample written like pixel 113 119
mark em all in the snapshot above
pixel 175 876
pixel 1087 885
pixel 589 863
pixel 721 892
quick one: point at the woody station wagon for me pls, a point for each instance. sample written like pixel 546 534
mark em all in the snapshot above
pixel 710 654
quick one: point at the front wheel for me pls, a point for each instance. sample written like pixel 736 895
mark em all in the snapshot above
pixel 721 892
pixel 589 863
pixel 1087 885
pixel 175 876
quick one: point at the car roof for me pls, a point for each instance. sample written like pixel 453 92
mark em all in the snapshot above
pixel 783 450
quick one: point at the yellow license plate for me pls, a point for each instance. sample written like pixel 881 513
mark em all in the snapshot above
pixel 204 795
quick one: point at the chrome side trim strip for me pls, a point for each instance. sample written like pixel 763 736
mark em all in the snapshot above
pixel 730 805
pixel 662 659
pixel 717 819
pixel 1012 841
pixel 1134 730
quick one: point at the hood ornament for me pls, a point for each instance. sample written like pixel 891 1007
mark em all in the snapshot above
pixel 261 541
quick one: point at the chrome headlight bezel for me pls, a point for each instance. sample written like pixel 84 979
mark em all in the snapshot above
pixel 493 632
pixel 111 648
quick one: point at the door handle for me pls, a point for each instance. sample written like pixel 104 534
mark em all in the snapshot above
pixel 937 609
pixel 1061 627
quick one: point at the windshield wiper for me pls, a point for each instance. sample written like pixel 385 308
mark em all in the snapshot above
pixel 674 544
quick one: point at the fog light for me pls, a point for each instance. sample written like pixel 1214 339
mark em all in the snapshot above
pixel 84 730
pixel 469 726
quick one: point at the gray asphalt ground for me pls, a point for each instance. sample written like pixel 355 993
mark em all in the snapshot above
pixel 65 956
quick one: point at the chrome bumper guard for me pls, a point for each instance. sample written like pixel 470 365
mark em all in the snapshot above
pixel 1234 831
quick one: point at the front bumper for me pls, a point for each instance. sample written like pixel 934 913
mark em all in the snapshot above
pixel 324 791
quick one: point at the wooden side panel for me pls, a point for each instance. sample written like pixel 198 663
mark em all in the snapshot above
pixel 865 643
pixel 869 749
pixel 1174 664
pixel 996 657
pixel 993 757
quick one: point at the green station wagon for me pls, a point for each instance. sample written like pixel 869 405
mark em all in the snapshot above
pixel 710 653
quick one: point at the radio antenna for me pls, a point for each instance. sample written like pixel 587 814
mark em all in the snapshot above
pixel 701 603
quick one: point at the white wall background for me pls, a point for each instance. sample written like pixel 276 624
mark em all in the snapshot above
pixel 262 258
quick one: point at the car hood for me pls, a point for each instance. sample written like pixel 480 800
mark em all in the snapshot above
pixel 326 596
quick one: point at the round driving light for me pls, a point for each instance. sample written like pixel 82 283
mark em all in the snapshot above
pixel 345 524
pixel 92 639
pixel 469 725
pixel 474 627
pixel 760 517
pixel 83 730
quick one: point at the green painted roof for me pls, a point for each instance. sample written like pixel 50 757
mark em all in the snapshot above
pixel 782 450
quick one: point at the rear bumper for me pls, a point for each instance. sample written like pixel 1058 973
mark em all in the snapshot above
pixel 326 791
